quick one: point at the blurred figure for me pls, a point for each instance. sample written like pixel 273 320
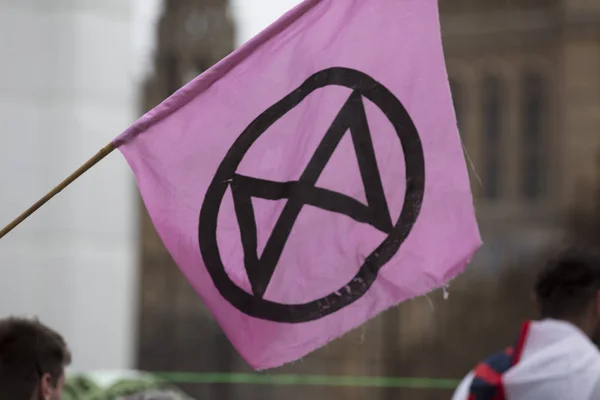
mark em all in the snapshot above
pixel 555 357
pixel 33 358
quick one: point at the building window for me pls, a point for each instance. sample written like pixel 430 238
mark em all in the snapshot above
pixel 493 127
pixel 458 100
pixel 532 143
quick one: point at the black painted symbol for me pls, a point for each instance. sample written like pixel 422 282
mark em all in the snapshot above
pixel 351 117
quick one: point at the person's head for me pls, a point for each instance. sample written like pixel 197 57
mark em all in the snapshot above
pixel 32 360
pixel 569 289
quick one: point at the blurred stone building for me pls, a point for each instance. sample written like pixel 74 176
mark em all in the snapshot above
pixel 526 83
pixel 525 76
pixel 176 332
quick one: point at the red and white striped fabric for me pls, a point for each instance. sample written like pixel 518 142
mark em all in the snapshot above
pixel 558 362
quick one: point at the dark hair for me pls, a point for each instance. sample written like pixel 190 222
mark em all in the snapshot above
pixel 28 350
pixel 568 284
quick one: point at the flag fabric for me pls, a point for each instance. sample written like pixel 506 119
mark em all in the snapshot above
pixel 314 177
pixel 556 360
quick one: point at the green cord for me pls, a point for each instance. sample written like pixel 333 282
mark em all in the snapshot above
pixel 312 380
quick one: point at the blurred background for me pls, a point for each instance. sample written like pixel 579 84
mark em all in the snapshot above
pixel 525 77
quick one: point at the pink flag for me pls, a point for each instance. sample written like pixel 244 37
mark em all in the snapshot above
pixel 313 178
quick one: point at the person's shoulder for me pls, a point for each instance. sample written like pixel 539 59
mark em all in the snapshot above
pixel 462 391
pixel 594 373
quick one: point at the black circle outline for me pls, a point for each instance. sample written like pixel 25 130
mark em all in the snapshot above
pixel 358 286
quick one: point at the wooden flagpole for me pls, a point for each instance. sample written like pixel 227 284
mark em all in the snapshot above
pixel 106 150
